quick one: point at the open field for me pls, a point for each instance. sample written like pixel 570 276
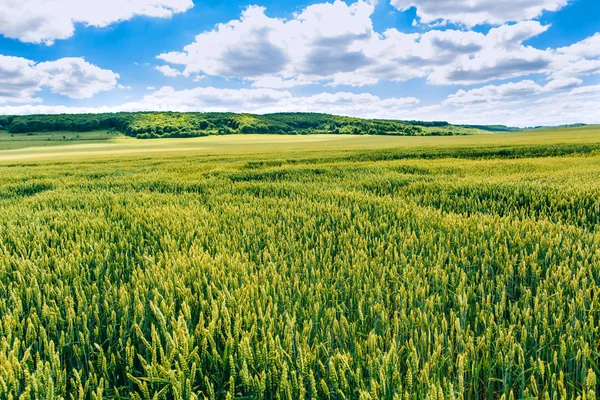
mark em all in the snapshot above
pixel 107 144
pixel 291 267
pixel 10 141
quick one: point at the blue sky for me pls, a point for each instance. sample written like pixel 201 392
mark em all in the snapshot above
pixel 514 62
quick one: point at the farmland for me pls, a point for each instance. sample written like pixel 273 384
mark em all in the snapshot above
pixel 287 267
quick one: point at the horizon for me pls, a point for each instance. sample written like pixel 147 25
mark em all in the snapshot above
pixel 527 64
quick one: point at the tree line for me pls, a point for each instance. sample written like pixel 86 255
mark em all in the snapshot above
pixel 146 125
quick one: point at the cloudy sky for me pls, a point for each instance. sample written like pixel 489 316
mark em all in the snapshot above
pixel 514 62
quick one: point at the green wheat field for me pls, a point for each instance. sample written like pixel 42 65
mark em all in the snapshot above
pixel 300 267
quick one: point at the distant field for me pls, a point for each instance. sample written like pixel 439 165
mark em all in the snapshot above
pixel 301 267
pixel 15 141
pixel 106 144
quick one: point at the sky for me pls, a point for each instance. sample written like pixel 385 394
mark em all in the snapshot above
pixel 513 62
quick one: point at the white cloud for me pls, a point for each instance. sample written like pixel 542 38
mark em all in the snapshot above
pixel 579 59
pixel 344 103
pixel 573 106
pixel 270 100
pixel 76 78
pixel 275 82
pixel 502 56
pixel 212 99
pixel 352 79
pixel 476 12
pixel 493 93
pixel 593 90
pixel 567 67
pixel 258 101
pixel 513 90
pixel 322 40
pixel 510 36
pixel 29 109
pixel 492 65
pixel 21 79
pixel 588 48
pixel 562 84
pixel 577 105
pixel 335 44
pixel 44 21
pixel 168 71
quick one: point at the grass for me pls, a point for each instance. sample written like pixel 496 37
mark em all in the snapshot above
pixel 17 141
pixel 105 144
pixel 326 267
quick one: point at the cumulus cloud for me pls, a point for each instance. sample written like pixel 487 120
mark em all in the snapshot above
pixel 562 84
pixel 270 100
pixel 520 104
pixel 460 57
pixel 275 82
pixel 77 78
pixel 322 40
pixel 510 36
pixel 492 93
pixel 588 48
pixel 593 90
pixel 335 44
pixel 477 12
pixel 21 79
pixel 212 99
pixel 502 56
pixel 579 59
pixel 553 109
pixel 41 21
pixel 256 45
pixel 168 71
pixel 258 101
pixel 364 105
pixel 519 90
pixel 490 65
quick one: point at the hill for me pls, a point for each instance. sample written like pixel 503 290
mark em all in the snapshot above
pixel 147 125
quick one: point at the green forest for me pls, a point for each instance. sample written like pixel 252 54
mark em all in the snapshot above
pixel 149 125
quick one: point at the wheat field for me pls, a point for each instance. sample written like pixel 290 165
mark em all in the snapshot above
pixel 297 268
